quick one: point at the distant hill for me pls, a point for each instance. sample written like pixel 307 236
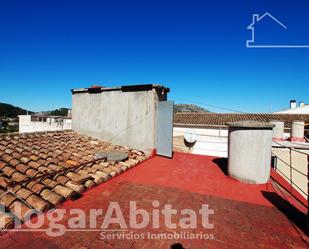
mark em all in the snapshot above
pixel 10 111
pixel 188 108
pixel 58 112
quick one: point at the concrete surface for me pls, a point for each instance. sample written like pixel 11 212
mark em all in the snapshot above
pixel 278 130
pixel 249 151
pixel 126 118
pixel 298 131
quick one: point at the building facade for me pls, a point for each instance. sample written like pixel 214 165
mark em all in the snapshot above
pixel 210 132
pixel 32 123
pixel 302 108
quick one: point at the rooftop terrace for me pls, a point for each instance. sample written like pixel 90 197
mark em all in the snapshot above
pixel 245 216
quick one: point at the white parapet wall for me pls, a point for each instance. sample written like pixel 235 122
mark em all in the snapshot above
pixel 210 141
pixel 26 124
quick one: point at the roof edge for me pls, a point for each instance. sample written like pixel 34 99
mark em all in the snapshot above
pixel 125 88
pixel 25 134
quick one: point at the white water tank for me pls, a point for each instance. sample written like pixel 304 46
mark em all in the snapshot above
pixel 249 151
pixel 278 130
pixel 298 131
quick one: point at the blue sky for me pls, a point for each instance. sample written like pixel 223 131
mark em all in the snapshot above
pixel 197 48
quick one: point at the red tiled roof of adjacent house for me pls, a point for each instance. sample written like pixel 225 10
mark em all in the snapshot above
pixel 42 170
pixel 245 215
pixel 221 119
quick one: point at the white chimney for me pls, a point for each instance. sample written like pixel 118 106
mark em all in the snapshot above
pixel 292 104
pixel 301 103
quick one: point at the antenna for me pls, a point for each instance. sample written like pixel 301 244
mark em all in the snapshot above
pixel 190 139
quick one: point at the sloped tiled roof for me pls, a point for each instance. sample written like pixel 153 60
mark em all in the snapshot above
pixel 209 119
pixel 28 163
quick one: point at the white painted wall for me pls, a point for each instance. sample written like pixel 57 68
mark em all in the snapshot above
pixel 210 141
pixel 26 125
pixel 298 110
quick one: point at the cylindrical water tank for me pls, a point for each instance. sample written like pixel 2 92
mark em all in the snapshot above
pixel 249 151
pixel 278 130
pixel 298 131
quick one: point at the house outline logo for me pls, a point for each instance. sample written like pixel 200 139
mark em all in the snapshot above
pixel 255 19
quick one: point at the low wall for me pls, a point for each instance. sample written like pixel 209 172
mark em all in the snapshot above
pixel 210 141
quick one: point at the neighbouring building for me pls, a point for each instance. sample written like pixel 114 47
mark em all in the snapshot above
pixel 125 115
pixel 34 123
pixel 302 108
pixel 208 131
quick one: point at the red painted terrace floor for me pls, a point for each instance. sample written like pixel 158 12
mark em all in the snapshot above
pixel 245 216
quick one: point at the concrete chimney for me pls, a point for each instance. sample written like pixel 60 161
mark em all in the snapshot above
pixel 278 130
pixel 298 131
pixel 125 115
pixel 293 104
pixel 301 103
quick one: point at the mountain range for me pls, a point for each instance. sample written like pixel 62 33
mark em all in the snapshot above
pixel 188 108
pixel 10 111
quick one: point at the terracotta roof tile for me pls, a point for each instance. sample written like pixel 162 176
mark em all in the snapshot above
pixel 6 158
pixel 24 160
pixel 37 202
pixel 22 168
pixel 42 170
pixel 215 119
pixel 7 220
